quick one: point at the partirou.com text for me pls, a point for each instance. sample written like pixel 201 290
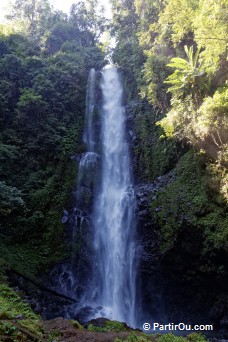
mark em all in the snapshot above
pixel 177 327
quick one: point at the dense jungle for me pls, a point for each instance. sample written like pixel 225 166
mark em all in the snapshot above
pixel 172 60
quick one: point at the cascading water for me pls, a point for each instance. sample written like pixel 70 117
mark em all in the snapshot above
pixel 114 271
pixel 72 278
pixel 104 284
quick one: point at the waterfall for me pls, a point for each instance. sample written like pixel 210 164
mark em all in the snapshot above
pixel 114 229
pixel 101 273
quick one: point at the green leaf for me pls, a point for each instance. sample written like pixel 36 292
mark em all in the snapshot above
pixel 178 62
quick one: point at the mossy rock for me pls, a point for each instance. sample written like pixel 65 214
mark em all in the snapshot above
pixel 187 203
pixel 77 325
pixel 105 325
pixel 12 305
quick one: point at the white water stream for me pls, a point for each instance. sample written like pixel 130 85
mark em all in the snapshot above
pixel 102 275
pixel 114 271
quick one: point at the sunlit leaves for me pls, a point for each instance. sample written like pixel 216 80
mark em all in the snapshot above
pixel 211 32
pixel 213 117
pixel 177 19
pixel 179 122
pixel 31 16
pixel 178 63
pixel 187 76
pixel 205 126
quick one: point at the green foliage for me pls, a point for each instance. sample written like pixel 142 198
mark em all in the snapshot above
pixel 148 12
pixel 186 203
pixel 59 34
pixel 77 325
pixel 187 76
pixel 172 338
pixel 32 326
pixel 30 105
pixel 154 74
pixel 109 326
pixel 8 152
pixel 7 328
pixel 154 156
pixel 218 175
pixel 195 116
pixel 12 305
pixel 206 127
pixel 165 30
pixel 88 18
pixel 42 103
pixel 210 33
pixel 31 16
pixel 21 45
pixel 3 269
pixel 127 54
pixel 213 117
pixel 176 20
pixel 10 198
pixel 135 338
pixel 196 337
pixel 179 122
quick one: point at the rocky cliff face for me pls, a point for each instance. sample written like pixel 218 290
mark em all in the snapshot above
pixel 178 280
